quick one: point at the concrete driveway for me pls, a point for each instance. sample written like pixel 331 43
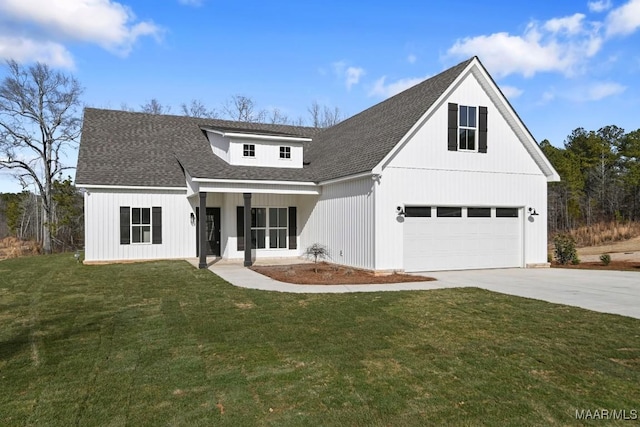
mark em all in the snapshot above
pixel 616 292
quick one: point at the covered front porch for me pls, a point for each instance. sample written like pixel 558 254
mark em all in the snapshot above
pixel 249 221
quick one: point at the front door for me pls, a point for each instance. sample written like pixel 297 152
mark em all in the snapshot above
pixel 213 231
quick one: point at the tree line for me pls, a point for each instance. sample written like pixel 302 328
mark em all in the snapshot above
pixel 243 108
pixel 600 172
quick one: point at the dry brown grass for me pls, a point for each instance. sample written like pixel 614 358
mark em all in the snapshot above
pixel 12 247
pixel 604 232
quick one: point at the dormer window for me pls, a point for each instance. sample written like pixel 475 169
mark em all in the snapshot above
pixel 249 150
pixel 285 152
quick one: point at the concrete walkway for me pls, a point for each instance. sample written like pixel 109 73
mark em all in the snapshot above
pixel 616 292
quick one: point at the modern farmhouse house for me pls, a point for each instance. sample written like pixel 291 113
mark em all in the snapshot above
pixel 441 176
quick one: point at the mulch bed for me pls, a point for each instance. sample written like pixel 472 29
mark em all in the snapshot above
pixel 330 274
pixel 613 265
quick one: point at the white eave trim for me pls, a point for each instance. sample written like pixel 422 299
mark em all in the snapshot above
pixel 254 181
pixel 258 136
pixel 129 187
pixel 347 178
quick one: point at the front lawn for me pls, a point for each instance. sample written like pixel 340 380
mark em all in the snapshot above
pixel 163 343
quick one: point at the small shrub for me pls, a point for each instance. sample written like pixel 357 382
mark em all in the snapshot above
pixel 565 249
pixel 317 251
pixel 605 258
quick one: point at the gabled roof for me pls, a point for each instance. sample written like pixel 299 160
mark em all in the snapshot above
pixel 359 143
pixel 135 149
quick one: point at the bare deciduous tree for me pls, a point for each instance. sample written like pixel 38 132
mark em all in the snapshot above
pixel 323 116
pixel 243 109
pixel 197 109
pixel 277 117
pixel 38 121
pixel 155 107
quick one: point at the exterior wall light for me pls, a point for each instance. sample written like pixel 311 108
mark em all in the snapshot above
pixel 400 211
pixel 533 212
pixel 193 218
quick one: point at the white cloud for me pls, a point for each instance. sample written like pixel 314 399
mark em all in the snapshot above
pixel 387 90
pixel 412 59
pixel 623 20
pixel 24 50
pixel 511 92
pixel 547 97
pixel 599 5
pixel 558 45
pixel 103 22
pixel 602 90
pixel 570 24
pixel 353 76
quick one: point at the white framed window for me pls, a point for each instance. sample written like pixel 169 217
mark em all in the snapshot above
pixel 258 228
pixel 285 152
pixel 249 150
pixel 271 223
pixel 278 228
pixel 467 128
pixel 140 225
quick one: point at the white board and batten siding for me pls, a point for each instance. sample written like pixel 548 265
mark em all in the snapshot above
pixel 102 225
pixel 343 220
pixel 425 173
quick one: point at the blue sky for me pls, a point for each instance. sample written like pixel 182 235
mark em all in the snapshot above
pixel 563 64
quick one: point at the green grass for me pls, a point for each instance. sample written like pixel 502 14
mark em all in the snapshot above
pixel 165 344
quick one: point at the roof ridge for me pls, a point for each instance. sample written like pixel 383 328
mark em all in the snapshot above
pixel 403 92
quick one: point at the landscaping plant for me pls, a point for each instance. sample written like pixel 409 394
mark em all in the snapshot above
pixel 565 249
pixel 316 251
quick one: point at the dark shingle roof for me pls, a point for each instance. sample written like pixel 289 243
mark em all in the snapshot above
pixel 359 143
pixel 137 149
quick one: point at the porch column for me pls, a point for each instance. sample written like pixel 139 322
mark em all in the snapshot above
pixel 202 225
pixel 248 262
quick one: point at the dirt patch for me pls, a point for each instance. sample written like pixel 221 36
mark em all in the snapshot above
pixel 330 274
pixel 613 265
pixel 631 245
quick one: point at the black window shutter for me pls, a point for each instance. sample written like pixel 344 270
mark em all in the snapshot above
pixel 156 221
pixel 482 130
pixel 125 225
pixel 240 227
pixel 293 227
pixel 453 127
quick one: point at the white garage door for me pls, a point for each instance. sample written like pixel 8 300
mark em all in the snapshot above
pixel 454 238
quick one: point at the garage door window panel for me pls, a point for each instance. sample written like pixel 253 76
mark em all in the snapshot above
pixel 449 212
pixel 417 211
pixel 479 212
pixel 507 212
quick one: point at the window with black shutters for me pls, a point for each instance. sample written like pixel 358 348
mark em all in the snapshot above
pixel 140 225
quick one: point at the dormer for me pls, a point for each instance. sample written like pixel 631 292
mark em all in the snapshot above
pixel 256 148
